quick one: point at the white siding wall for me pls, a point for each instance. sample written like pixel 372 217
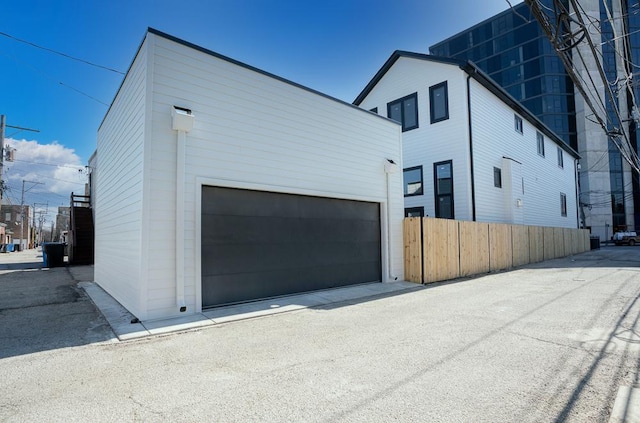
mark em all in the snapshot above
pixel 430 143
pixel 252 130
pixel 118 192
pixel 494 137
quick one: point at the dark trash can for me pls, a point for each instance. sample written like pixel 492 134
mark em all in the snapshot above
pixel 595 242
pixel 53 254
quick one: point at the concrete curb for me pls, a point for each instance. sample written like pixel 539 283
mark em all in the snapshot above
pixel 626 408
pixel 121 320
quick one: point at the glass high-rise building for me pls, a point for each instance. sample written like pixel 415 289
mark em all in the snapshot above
pixel 513 49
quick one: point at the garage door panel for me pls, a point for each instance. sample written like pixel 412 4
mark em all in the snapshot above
pixel 261 244
pixel 247 229
pixel 223 289
pixel 224 201
pixel 237 258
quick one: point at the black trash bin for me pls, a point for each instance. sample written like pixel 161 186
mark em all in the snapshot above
pixel 53 254
pixel 595 242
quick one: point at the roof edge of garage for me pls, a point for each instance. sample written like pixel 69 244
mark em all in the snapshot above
pixel 204 50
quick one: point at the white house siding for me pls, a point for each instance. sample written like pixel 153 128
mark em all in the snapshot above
pixel 255 131
pixel 118 191
pixel 495 137
pixel 430 143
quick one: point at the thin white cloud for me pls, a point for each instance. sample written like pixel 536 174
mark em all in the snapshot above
pixel 57 170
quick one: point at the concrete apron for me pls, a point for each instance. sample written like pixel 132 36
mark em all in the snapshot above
pixel 127 327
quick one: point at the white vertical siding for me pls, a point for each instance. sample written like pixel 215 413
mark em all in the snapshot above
pixel 495 137
pixel 430 143
pixel 118 191
pixel 253 129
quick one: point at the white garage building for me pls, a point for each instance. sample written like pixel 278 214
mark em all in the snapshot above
pixel 218 183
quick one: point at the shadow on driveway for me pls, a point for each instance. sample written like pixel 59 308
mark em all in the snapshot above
pixel 42 309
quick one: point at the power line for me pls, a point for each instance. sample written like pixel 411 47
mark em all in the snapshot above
pixel 55 80
pixel 55 179
pixel 571 30
pixel 79 167
pixel 60 53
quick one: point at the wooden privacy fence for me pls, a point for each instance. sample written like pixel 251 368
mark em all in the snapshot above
pixel 441 249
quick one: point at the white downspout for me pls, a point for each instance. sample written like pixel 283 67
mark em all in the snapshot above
pixel 182 121
pixel 389 167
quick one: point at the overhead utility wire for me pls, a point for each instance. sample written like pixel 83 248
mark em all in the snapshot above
pixel 60 53
pixel 55 80
pixel 79 167
pixel 629 151
pixel 621 142
pixel 563 42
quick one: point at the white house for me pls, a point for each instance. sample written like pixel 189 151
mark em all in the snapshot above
pixel 216 183
pixel 470 151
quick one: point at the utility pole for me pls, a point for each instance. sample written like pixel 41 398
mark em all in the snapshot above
pixel 22 219
pixel 3 123
pixel 41 219
pixel 3 126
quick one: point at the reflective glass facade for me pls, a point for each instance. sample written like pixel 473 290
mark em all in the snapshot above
pixel 515 52
pixel 512 48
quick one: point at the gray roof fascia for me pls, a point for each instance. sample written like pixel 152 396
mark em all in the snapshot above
pixel 237 63
pixel 392 60
pixel 485 80
pixel 476 73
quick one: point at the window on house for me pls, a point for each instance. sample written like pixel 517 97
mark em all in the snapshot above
pixel 497 177
pixel 405 111
pixel 414 212
pixel 374 110
pixel 540 139
pixel 443 184
pixel 413 181
pixel 563 204
pixel 560 158
pixel 517 121
pixel 7 217
pixel 439 102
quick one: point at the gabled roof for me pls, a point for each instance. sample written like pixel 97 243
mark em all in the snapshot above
pixel 476 73
pixel 393 59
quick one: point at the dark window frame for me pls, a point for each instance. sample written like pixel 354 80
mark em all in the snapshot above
pixel 437 195
pixel 409 210
pixel 540 143
pixel 563 204
pixel 497 177
pixel 404 184
pixel 432 89
pixel 560 158
pixel 518 124
pixel 402 100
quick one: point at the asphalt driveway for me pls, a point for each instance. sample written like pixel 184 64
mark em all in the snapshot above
pixel 550 342
pixel 42 309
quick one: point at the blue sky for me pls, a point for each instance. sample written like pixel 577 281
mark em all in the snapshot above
pixel 333 46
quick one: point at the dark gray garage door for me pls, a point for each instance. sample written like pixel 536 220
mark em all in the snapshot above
pixel 258 244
